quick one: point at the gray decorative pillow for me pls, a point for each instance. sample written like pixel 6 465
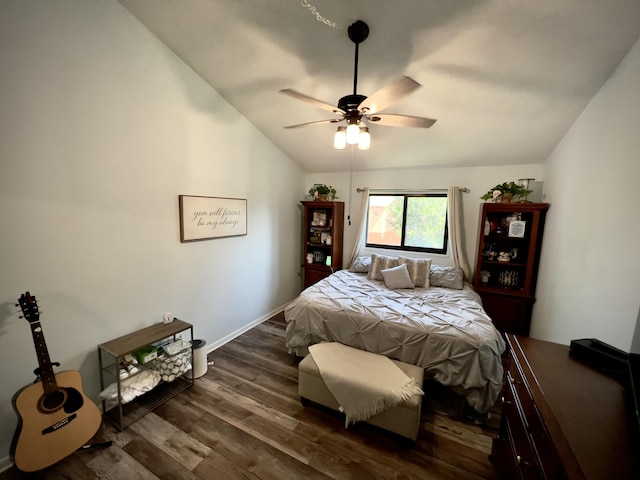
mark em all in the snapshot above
pixel 397 277
pixel 379 263
pixel 418 270
pixel 361 265
pixel 447 277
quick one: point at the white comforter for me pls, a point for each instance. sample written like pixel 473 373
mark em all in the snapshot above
pixel 445 331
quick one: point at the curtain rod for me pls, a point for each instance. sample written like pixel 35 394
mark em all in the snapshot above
pixel 462 189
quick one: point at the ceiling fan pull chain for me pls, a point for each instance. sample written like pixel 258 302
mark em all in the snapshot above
pixel 350 183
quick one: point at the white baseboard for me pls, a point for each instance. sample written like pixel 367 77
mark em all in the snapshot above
pixel 5 464
pixel 237 333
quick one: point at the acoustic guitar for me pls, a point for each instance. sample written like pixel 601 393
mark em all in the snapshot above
pixel 55 417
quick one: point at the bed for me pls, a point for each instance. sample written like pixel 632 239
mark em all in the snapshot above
pixel 443 329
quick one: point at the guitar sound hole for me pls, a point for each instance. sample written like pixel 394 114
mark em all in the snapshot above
pixel 74 400
pixel 68 397
pixel 53 401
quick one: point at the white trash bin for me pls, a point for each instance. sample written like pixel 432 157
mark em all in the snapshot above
pixel 200 364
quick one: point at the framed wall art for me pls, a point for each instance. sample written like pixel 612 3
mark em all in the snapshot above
pixel 516 228
pixel 205 218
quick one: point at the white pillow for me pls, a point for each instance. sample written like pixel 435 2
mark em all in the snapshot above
pixel 397 277
pixel 379 263
pixel 447 277
pixel 418 270
pixel 361 265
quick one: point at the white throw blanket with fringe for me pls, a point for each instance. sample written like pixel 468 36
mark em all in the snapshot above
pixel 363 383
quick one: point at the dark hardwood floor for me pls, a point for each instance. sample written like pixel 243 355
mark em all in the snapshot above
pixel 244 420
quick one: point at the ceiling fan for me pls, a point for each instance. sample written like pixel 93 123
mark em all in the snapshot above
pixel 355 109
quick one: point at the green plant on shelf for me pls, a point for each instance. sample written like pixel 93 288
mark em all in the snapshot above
pixel 322 191
pixel 507 190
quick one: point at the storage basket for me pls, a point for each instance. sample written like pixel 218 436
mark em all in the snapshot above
pixel 171 367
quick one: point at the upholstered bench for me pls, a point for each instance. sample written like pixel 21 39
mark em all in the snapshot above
pixel 403 419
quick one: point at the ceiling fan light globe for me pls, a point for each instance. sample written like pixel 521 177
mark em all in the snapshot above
pixel 364 139
pixel 353 132
pixel 340 138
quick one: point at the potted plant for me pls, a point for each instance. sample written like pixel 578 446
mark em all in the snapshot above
pixel 322 192
pixel 506 192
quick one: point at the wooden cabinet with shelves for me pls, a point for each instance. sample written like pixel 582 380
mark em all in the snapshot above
pixel 111 355
pixel 510 240
pixel 322 236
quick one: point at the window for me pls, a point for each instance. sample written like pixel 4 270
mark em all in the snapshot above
pixel 416 222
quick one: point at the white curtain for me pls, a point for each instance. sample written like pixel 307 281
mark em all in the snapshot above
pixel 454 215
pixel 360 236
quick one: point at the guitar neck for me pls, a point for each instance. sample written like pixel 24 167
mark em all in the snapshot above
pixel 44 362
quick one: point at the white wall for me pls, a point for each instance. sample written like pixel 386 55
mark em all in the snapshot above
pixel 478 180
pixel 101 129
pixel 589 283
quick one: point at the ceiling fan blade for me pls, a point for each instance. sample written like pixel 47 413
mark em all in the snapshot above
pixel 314 101
pixel 332 120
pixel 393 120
pixel 388 95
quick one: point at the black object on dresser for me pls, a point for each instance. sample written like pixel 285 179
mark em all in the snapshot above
pixel 601 355
pixel 509 244
pixel 562 418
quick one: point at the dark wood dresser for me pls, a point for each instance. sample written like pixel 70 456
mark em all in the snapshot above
pixel 562 418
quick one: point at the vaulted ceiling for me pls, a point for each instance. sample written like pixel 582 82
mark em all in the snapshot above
pixel 505 79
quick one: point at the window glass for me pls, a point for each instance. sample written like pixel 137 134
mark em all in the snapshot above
pixel 408 222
